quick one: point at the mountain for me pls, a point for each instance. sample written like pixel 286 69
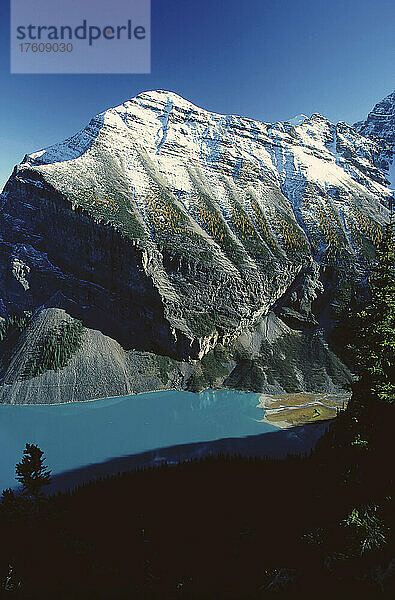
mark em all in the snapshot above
pixel 380 122
pixel 187 249
pixel 380 126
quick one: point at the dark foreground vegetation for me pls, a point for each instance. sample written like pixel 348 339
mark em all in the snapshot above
pixel 228 527
pixel 215 528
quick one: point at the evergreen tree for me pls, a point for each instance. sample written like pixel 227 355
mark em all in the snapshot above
pixel 31 471
pixel 374 347
pixel 7 497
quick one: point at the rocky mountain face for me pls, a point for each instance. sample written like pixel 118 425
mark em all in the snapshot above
pixel 380 126
pixel 380 122
pixel 167 246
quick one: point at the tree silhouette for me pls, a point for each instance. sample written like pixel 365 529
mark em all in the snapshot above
pixel 31 471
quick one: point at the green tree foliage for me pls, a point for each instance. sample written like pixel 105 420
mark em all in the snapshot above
pixel 368 531
pixel 31 471
pixel 58 346
pixel 374 347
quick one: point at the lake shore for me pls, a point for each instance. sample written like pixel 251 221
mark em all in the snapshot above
pixel 154 391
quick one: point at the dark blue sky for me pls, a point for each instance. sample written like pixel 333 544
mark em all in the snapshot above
pixel 266 59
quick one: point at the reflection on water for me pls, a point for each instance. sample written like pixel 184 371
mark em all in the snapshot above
pixel 74 435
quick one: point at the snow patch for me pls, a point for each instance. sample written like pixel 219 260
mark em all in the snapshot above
pixel 298 120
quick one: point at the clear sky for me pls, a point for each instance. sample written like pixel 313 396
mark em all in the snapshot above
pixel 266 59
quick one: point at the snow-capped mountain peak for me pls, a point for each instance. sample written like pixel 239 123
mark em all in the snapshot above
pixel 171 229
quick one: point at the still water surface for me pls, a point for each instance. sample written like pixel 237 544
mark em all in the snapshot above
pixel 76 435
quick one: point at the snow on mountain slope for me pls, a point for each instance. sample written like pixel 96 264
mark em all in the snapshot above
pixel 162 124
pixel 177 135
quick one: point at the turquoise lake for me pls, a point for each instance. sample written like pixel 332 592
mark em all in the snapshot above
pixel 76 435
